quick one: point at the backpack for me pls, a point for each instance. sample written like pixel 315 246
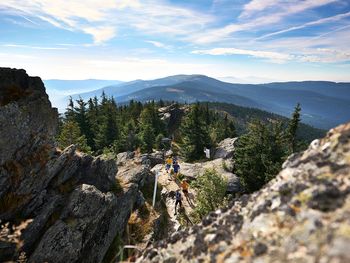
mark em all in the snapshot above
pixel 178 196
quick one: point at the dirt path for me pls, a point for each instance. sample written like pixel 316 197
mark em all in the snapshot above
pixel 170 186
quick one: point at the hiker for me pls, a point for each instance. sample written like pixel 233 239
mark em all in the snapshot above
pixel 174 160
pixel 178 199
pixel 176 168
pixel 184 186
pixel 168 163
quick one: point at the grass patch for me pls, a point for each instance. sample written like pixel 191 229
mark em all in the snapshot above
pixel 140 223
pixel 225 166
pixel 116 188
pixel 115 251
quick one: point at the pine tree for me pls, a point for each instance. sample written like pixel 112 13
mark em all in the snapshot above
pixel 108 130
pixel 129 140
pixel 259 154
pixel 159 142
pixel 293 128
pixel 194 133
pixel 147 138
pixel 149 116
pixel 82 120
pixel 70 134
pixel 70 114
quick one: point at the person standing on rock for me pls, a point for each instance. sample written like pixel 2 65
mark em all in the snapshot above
pixel 174 160
pixel 176 168
pixel 185 188
pixel 168 163
pixel 178 200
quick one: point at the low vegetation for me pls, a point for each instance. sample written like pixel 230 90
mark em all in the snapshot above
pixel 211 193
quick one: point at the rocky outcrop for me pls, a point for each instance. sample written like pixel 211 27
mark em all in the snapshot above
pixel 221 166
pixel 225 149
pixel 300 216
pixel 55 206
pixel 172 116
pixel 27 121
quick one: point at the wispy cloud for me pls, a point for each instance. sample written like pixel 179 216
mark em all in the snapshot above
pixel 281 7
pixel 312 23
pixel 33 47
pixel 273 56
pixel 101 19
pixel 158 44
pixel 318 55
pixel 258 14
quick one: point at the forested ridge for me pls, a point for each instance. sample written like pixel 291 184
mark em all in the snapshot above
pixel 265 139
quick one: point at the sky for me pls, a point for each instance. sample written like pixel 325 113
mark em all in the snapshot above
pixel 257 40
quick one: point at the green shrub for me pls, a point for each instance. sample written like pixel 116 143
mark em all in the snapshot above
pixel 211 190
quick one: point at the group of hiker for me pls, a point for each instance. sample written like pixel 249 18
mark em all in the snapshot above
pixel 172 167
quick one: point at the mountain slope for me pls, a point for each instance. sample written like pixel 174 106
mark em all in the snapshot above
pixel 188 92
pixel 58 90
pixel 324 104
pixel 134 86
pixel 243 115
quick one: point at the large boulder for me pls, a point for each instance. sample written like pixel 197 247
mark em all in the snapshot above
pixel 27 120
pixel 124 157
pixel 225 148
pixel 55 206
pixel 221 166
pixel 300 216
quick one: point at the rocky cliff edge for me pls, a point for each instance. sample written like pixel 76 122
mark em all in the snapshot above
pixel 301 216
pixel 55 206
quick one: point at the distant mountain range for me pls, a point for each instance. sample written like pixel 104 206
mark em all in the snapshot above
pixel 58 89
pixel 324 104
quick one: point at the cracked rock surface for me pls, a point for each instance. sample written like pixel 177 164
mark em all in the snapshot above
pixel 55 206
pixel 303 215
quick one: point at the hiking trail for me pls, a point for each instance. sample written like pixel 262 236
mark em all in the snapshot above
pixel 168 193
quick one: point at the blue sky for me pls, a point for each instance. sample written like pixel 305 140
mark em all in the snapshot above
pixel 243 40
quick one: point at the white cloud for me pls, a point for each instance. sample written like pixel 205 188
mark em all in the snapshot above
pixel 158 44
pixel 257 5
pixel 273 56
pixel 101 34
pixel 293 51
pixel 90 16
pixel 281 7
pixel 33 47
